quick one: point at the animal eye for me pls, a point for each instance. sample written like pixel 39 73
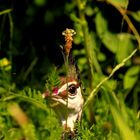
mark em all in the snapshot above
pixel 72 89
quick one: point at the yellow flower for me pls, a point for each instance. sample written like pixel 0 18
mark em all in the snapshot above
pixel 5 63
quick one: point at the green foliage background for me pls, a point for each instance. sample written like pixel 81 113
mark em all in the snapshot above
pixel 106 48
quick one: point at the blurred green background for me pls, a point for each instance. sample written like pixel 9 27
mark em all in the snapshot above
pixel 107 33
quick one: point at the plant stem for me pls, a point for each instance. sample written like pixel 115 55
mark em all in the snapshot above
pixel 91 56
pixel 67 67
pixel 5 11
pixel 11 39
pixel 132 27
pixel 86 40
pixel 128 21
pixel 117 67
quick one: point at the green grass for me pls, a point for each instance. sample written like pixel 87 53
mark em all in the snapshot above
pixel 109 64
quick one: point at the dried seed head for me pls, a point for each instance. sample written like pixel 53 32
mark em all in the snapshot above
pixel 68 33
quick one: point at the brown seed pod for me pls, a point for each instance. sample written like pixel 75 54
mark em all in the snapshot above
pixel 68 33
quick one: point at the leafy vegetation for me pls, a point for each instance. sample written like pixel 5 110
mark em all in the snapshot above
pixel 106 48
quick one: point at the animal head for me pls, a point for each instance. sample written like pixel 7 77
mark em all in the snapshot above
pixel 67 101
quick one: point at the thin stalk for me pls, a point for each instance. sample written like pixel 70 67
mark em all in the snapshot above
pixel 30 68
pixel 117 67
pixel 66 67
pixel 22 120
pixel 11 38
pixel 92 61
pixel 132 27
pixel 24 98
pixel 5 11
pixel 128 21
pixel 91 58
pixel 68 33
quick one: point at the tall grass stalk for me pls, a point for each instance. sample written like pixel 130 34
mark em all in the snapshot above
pixel 120 122
pixel 90 55
pixel 117 67
pixel 21 118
